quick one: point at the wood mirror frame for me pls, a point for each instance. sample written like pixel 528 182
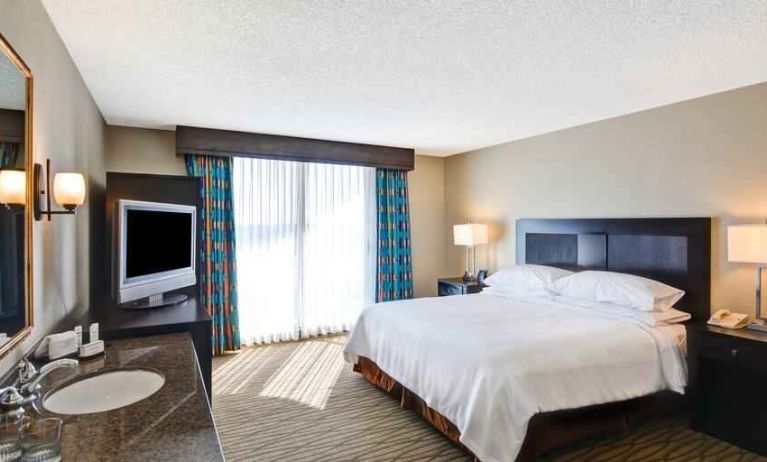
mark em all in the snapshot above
pixel 10 53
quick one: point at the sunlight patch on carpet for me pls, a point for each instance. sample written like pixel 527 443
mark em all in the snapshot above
pixel 230 378
pixel 309 374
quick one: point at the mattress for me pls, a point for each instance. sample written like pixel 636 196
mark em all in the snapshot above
pixel 489 363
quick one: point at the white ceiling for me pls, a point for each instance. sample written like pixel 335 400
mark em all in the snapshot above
pixel 440 76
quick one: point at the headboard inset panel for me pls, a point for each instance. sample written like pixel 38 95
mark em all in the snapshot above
pixel 648 253
pixel 575 251
pixel 675 251
pixel 559 250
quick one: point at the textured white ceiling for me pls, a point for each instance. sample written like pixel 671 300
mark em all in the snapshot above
pixel 440 76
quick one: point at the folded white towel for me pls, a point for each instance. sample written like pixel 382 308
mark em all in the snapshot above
pixel 57 346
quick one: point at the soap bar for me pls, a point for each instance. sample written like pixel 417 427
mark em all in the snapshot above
pixel 63 344
pixel 92 349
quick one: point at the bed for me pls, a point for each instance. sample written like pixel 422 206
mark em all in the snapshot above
pixel 512 378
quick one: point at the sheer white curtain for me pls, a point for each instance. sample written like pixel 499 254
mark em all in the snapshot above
pixel 306 243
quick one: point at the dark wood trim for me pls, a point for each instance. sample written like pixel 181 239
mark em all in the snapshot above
pixel 151 176
pixel 194 140
pixel 12 126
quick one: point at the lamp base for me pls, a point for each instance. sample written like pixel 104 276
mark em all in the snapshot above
pixel 468 277
pixel 758 324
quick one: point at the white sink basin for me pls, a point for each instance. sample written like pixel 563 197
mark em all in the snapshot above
pixel 104 392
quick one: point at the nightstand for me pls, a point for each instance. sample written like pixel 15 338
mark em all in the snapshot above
pixel 457 286
pixel 728 383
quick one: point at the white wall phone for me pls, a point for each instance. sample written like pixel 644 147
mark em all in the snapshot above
pixel 728 319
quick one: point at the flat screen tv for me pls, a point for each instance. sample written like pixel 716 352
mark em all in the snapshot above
pixel 156 252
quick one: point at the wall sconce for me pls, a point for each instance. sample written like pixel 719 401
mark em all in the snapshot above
pixel 68 191
pixel 13 187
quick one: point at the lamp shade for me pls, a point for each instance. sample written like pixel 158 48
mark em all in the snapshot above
pixel 69 189
pixel 747 243
pixel 13 187
pixel 470 234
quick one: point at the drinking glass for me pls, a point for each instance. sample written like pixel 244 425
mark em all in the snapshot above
pixel 10 441
pixel 41 440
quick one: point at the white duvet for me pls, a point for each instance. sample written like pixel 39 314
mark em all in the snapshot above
pixel 489 363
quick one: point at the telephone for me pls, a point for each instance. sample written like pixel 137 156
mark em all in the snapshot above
pixel 728 319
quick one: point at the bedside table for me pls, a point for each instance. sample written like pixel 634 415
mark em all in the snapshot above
pixel 457 286
pixel 728 382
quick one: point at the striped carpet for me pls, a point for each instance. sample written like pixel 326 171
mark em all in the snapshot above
pixel 301 402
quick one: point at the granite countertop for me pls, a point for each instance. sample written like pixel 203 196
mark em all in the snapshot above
pixel 175 423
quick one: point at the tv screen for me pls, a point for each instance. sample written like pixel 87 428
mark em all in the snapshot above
pixel 157 241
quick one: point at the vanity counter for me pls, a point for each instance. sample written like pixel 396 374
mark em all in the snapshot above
pixel 175 423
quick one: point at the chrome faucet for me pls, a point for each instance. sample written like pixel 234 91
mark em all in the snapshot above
pixel 29 377
pixel 25 391
pixel 12 403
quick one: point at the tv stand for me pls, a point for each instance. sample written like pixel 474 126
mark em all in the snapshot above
pixel 156 301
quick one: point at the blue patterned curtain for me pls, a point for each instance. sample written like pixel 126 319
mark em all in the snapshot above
pixel 218 287
pixel 9 152
pixel 395 266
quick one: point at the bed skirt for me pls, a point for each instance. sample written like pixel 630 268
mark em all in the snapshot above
pixel 546 431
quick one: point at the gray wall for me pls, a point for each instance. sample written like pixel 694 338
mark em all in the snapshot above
pixel 68 129
pixel 703 157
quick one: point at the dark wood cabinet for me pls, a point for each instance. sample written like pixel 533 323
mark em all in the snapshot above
pixel 728 380
pixel 117 322
pixel 457 286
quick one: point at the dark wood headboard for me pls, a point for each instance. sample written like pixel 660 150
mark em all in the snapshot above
pixel 675 251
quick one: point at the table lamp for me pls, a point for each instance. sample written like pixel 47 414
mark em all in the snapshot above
pixel 470 235
pixel 748 244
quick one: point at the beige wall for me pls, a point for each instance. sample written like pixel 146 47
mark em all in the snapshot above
pixel 703 157
pixel 426 185
pixel 139 150
pixel 68 129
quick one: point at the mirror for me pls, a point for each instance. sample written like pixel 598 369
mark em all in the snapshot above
pixel 15 193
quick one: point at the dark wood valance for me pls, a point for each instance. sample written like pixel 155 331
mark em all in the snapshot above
pixel 193 140
pixel 11 126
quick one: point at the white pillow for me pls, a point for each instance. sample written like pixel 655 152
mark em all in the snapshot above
pixel 651 318
pixel 671 316
pixel 526 277
pixel 514 292
pixel 618 288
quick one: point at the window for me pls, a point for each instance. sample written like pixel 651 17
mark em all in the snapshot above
pixel 306 243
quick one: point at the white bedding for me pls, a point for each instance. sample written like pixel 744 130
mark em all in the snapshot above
pixel 489 363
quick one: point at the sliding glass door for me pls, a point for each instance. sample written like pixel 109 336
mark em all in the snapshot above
pixel 306 245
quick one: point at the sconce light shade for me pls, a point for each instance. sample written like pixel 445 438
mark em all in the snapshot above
pixel 69 189
pixel 470 234
pixel 13 187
